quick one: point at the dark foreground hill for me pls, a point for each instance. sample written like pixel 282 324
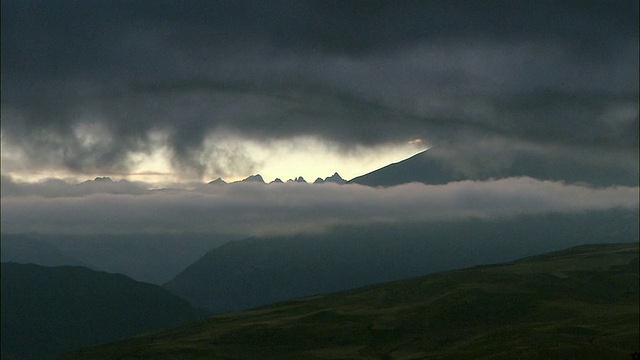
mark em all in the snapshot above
pixel 581 303
pixel 47 311
pixel 244 274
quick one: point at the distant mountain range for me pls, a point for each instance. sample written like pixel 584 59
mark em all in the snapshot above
pixel 435 167
pixel 257 178
pixel 25 249
pixel 335 178
pixel 580 303
pixel 154 258
pixel 252 272
pixel 50 310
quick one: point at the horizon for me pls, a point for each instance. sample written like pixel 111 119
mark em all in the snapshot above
pixel 115 177
pixel 136 177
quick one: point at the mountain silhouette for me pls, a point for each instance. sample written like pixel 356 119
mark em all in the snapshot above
pixel 152 258
pixel 24 249
pixel 298 179
pixel 253 179
pixel 50 310
pixel 218 181
pixel 434 166
pixel 257 271
pixel 335 178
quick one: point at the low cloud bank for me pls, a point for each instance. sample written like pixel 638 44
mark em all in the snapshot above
pixel 55 207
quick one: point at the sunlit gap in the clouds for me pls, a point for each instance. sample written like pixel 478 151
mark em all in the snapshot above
pixel 229 156
pixel 307 156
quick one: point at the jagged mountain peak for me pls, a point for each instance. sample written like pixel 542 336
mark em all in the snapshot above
pixel 100 179
pixel 254 178
pixel 103 178
pixel 335 178
pixel 298 179
pixel 218 181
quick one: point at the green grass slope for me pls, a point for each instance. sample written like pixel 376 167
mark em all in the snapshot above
pixel 581 303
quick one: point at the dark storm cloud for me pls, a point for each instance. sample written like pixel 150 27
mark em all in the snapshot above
pixel 454 72
pixel 244 209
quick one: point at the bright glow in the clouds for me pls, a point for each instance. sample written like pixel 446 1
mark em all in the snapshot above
pixel 223 155
pixel 310 157
pixel 92 135
pixel 153 167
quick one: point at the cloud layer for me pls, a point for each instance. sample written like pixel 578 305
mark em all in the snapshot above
pixel 254 209
pixel 87 85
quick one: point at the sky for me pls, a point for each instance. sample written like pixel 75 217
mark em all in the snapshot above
pixel 178 93
pixel 170 91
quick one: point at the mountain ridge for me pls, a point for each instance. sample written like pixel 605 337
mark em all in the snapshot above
pixel 50 310
pixel 436 166
pixel 256 271
pixel 257 178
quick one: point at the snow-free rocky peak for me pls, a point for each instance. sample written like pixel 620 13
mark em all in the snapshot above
pixel 335 178
pixel 218 181
pixel 254 178
pixel 298 179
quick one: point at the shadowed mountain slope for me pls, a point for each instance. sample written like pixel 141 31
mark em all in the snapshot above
pixel 27 249
pixel 153 258
pixel 258 271
pixel 433 167
pixel 50 310
pixel 580 303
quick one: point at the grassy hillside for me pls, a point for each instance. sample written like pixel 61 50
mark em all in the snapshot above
pixel 579 303
pixel 50 310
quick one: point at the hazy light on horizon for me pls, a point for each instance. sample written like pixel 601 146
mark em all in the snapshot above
pixel 227 156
